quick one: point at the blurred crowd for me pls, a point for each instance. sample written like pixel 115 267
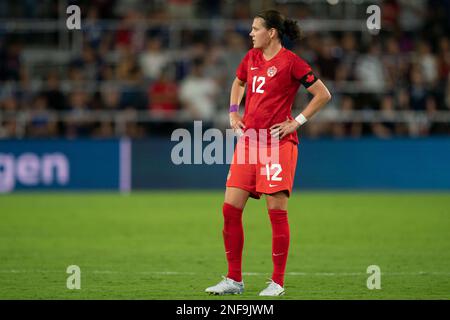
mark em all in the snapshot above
pixel 137 67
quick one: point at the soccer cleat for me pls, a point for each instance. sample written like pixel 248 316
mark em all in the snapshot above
pixel 272 290
pixel 226 286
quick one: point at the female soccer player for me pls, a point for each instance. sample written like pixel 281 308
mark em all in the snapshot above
pixel 274 75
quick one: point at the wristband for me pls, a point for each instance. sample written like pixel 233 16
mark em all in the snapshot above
pixel 234 108
pixel 301 119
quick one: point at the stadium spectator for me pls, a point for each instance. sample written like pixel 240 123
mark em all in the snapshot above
pixel 163 96
pixel 11 62
pixel 9 106
pixel 89 63
pixel 235 49
pixel 385 128
pixel 346 129
pixel 209 8
pixel 79 123
pixel 418 92
pixel 327 59
pixel 444 59
pixel 105 7
pixel 93 29
pixel 412 14
pixel 197 93
pixel 370 71
pixel 349 56
pixel 153 60
pixel 104 130
pixel 110 97
pixel 402 99
pixel 133 94
pixel 427 63
pixel 42 124
pixel 391 11
pixel 53 94
pixel 130 34
pixel 394 64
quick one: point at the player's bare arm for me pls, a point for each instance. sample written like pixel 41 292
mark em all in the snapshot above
pixel 237 92
pixel 321 96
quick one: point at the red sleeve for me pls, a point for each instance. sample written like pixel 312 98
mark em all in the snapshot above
pixel 241 71
pixel 300 68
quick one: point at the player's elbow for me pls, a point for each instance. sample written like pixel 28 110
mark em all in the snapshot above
pixel 326 95
pixel 323 98
pixel 239 82
pixel 322 94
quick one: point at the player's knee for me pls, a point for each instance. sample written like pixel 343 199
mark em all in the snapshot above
pixel 237 202
pixel 236 198
pixel 277 201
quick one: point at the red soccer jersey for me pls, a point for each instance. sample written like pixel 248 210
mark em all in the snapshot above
pixel 271 88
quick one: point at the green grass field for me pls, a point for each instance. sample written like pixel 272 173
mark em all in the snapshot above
pixel 165 245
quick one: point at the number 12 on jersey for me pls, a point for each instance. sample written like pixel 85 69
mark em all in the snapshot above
pixel 261 81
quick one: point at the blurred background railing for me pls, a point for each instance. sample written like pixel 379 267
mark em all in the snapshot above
pixel 108 124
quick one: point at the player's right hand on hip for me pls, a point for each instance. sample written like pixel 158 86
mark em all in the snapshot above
pixel 236 122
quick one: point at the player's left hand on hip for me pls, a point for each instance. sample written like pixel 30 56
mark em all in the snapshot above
pixel 284 128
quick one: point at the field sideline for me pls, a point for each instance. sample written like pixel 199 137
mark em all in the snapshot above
pixel 168 245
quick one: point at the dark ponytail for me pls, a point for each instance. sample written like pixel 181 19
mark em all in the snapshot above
pixel 285 27
pixel 292 30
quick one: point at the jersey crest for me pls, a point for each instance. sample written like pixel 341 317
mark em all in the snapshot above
pixel 271 71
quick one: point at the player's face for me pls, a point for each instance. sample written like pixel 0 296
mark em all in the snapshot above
pixel 259 34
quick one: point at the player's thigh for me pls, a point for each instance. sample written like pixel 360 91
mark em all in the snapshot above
pixel 236 197
pixel 241 179
pixel 277 200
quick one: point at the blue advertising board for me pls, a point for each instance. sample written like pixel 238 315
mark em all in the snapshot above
pixel 62 165
pixel 347 164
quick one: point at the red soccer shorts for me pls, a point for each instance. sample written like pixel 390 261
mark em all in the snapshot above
pixel 263 170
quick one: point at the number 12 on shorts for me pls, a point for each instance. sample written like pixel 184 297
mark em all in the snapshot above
pixel 273 167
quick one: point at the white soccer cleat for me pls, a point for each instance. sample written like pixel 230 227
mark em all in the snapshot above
pixel 226 286
pixel 272 290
